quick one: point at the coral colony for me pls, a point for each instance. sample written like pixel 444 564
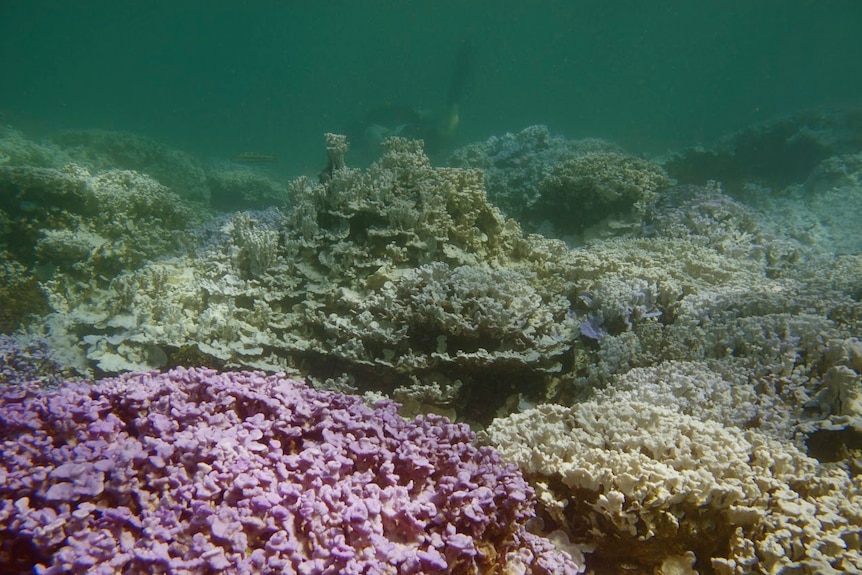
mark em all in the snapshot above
pixel 195 472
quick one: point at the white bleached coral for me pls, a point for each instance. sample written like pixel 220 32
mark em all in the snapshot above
pixel 707 391
pixel 637 482
pixel 435 316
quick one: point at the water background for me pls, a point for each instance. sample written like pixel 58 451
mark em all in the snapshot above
pixel 218 78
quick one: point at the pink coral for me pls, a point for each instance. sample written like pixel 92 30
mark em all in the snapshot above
pixel 192 471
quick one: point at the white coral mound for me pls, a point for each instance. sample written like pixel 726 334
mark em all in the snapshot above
pixel 639 483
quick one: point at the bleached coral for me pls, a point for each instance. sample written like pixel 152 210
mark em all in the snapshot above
pixel 516 164
pixel 404 274
pixel 435 316
pixel 707 391
pixel 722 287
pixel 638 482
pixel 93 225
pixel 255 247
pixel 593 186
pixel 403 270
pixel 563 186
pixel 104 151
pixel 17 150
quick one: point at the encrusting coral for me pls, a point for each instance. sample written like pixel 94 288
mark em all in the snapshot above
pixel 194 472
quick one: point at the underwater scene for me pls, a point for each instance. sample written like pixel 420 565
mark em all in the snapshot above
pixel 498 288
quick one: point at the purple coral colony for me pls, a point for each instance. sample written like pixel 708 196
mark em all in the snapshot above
pixel 191 471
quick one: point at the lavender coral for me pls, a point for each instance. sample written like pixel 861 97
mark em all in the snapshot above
pixel 191 471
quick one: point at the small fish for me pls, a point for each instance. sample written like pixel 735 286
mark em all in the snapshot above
pixel 254 158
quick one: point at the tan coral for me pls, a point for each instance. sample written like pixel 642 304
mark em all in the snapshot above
pixel 402 271
pixel 640 483
pixel 585 189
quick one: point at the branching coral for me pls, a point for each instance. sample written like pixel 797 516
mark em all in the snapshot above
pixel 642 484
pixel 399 272
pixel 585 189
pixel 192 472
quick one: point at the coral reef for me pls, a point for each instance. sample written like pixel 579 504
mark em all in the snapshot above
pixel 219 185
pixel 515 165
pixel 20 293
pixel 780 152
pixel 643 485
pixel 195 472
pixel 102 151
pixel 242 188
pixel 404 275
pixel 28 362
pixel 703 339
pixel 710 283
pixel 18 150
